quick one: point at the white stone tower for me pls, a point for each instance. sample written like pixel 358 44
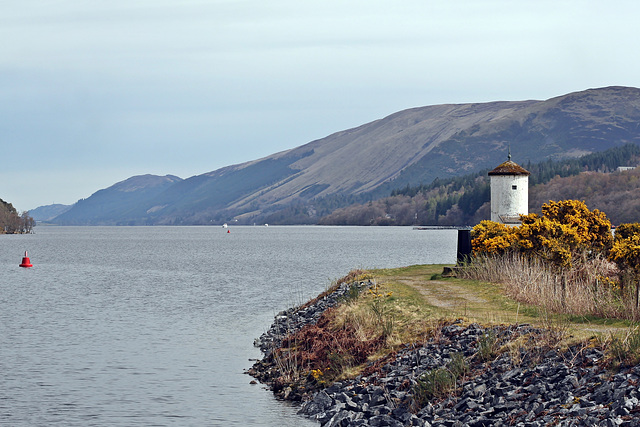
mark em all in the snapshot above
pixel 509 192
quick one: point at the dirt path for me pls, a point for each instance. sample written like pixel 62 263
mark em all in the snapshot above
pixel 446 295
pixel 483 304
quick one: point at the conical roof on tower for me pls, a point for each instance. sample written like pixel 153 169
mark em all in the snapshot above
pixel 509 168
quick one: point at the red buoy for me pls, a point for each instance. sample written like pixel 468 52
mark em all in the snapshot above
pixel 228 231
pixel 26 262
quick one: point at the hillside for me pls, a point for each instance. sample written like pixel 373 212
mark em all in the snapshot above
pixel 465 200
pixel 406 148
pixel 12 222
pixel 106 207
pixel 48 212
pixel 616 194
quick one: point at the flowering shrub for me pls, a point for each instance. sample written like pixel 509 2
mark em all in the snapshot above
pixel 592 228
pixel 491 237
pixel 565 229
pixel 318 375
pixel 547 239
pixel 626 253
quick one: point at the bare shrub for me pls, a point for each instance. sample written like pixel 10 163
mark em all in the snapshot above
pixel 322 345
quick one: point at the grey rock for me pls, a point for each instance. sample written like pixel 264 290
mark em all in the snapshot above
pixel 479 390
pixel 323 400
pixel 553 387
pixel 338 418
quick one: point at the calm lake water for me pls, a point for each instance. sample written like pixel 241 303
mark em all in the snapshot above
pixel 141 326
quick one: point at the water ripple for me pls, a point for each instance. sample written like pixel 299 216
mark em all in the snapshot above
pixel 154 325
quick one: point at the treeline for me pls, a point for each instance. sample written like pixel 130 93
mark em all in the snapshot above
pixel 616 194
pixel 436 206
pixel 465 200
pixel 606 161
pixel 13 223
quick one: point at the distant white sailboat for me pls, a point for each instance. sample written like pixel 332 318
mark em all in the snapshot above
pixel 224 225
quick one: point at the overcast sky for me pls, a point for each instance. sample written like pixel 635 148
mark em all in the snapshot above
pixel 94 92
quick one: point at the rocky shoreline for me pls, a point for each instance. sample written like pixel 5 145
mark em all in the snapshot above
pixel 524 385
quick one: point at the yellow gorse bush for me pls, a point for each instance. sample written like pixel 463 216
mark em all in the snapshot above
pixel 319 376
pixel 565 229
pixel 491 237
pixel 592 228
pixel 609 283
pixel 547 239
pixel 626 251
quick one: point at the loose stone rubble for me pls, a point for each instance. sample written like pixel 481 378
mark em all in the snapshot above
pixel 292 320
pixel 531 386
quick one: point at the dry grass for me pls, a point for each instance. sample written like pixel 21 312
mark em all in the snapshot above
pixel 411 305
pixel 623 348
pixel 388 313
pixel 588 289
pixel 357 275
pixel 369 326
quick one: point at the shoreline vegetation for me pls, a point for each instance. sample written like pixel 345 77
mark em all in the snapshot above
pixel 11 222
pixel 516 337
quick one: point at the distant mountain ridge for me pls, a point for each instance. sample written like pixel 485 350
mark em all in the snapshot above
pixel 408 147
pixel 116 201
pixel 48 212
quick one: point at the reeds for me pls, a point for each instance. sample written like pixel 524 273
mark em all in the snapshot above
pixel 588 288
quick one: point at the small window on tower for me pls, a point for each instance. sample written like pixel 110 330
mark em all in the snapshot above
pixel 514 187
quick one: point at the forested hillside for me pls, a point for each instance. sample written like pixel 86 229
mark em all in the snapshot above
pixel 465 200
pixel 616 194
pixel 11 222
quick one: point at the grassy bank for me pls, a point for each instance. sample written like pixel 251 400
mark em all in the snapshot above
pixel 485 302
pixel 399 307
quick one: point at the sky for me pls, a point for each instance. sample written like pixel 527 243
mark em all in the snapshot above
pixel 94 92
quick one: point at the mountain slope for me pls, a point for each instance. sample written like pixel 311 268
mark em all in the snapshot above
pixel 111 205
pixel 378 151
pixel 49 212
pixel 567 126
pixel 465 200
pixel 409 147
